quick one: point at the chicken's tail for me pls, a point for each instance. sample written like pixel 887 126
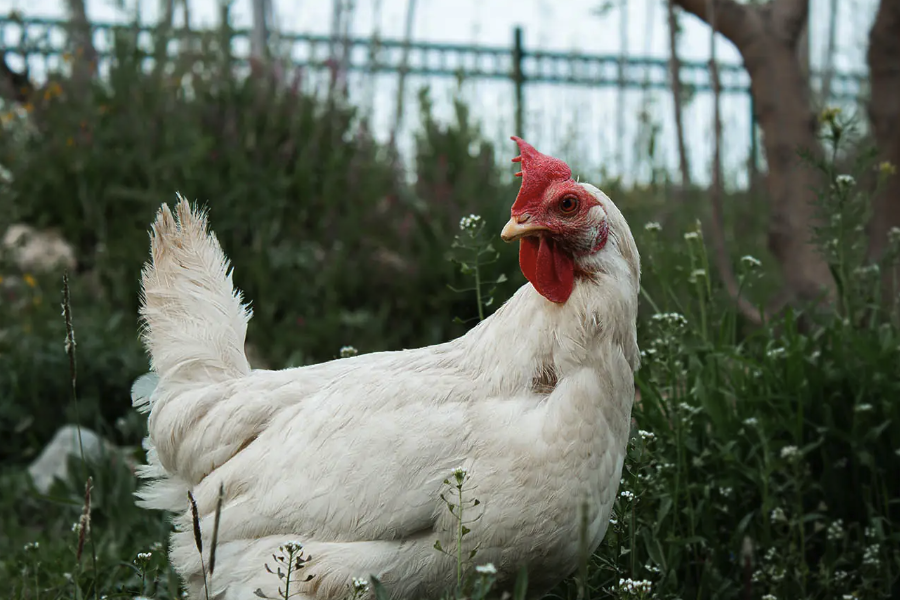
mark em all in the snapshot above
pixel 194 321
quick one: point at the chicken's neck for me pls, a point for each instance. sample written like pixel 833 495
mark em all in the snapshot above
pixel 531 343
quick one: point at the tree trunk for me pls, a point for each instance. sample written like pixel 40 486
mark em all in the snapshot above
pixel 884 114
pixel 259 36
pixel 767 36
pixel 675 76
pixel 84 60
pixel 404 65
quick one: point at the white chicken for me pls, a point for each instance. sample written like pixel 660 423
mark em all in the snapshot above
pixel 349 457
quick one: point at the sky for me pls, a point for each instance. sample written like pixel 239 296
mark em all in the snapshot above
pixel 582 125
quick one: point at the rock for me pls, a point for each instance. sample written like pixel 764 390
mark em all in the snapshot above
pixel 37 251
pixel 53 462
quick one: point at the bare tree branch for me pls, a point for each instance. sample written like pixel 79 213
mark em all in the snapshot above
pixel 84 62
pixel 14 86
pixel 675 80
pixel 739 23
pixel 717 227
pixel 789 18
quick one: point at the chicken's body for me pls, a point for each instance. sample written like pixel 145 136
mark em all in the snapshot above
pixel 349 457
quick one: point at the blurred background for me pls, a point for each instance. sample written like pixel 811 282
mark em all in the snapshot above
pixel 339 143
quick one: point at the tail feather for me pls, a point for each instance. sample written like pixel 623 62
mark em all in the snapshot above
pixel 194 321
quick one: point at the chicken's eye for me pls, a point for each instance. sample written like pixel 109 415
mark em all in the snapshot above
pixel 568 204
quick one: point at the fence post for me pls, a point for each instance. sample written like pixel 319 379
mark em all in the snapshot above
pixel 754 149
pixel 518 80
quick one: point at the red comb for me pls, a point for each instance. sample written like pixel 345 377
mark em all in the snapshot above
pixel 538 172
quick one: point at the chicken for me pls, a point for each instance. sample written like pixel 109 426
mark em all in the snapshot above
pixel 349 457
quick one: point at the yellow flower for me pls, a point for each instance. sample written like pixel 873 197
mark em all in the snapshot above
pixel 29 280
pixel 829 115
pixel 885 168
pixel 29 107
pixel 1 278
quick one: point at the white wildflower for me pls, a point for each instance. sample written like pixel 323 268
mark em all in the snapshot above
pixel 769 597
pixel 291 547
pixel 672 319
pixel 635 587
pixel 849 597
pixel 613 521
pixel 469 223
pixel 771 553
pixel 862 408
pixel 776 352
pixel 144 556
pixel 646 435
pixel 894 235
pixel 488 569
pixel 790 452
pixel 691 235
pixel 360 584
pixel 653 226
pixel 627 495
pixel 459 474
pixel 750 421
pixel 67 576
pixel 725 491
pixel 750 262
pixel 778 516
pixel 840 576
pixel 870 556
pixel 835 531
pixel 697 274
pixel 348 351
pixel 844 182
pixel 31 546
pixel 870 532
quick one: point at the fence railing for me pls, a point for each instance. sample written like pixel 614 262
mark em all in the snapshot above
pixel 46 38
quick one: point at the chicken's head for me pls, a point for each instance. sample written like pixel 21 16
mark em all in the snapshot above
pixel 561 224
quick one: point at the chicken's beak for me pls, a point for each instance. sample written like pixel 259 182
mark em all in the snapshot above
pixel 514 230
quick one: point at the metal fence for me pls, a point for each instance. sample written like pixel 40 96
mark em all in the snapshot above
pixel 43 41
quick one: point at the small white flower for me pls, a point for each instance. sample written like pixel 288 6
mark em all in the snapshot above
pixel 613 521
pixel 870 556
pixel 646 435
pixel 31 546
pixel 725 491
pixel 653 226
pixel 627 495
pixel 849 597
pixel 469 223
pixel 144 556
pixel 697 274
pixel 673 319
pixel 776 352
pixel 360 584
pixel 488 569
pixel 840 576
pixel 750 262
pixel 778 515
pixel 635 587
pixel 291 547
pixel 862 408
pixel 790 452
pixel 67 576
pixel 835 531
pixel 691 235
pixel 844 182
pixel 894 235
pixel 750 421
pixel 348 351
pixel 769 597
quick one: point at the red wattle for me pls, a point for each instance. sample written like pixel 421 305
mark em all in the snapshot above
pixel 550 271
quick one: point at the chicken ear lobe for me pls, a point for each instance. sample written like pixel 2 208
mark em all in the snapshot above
pixel 549 269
